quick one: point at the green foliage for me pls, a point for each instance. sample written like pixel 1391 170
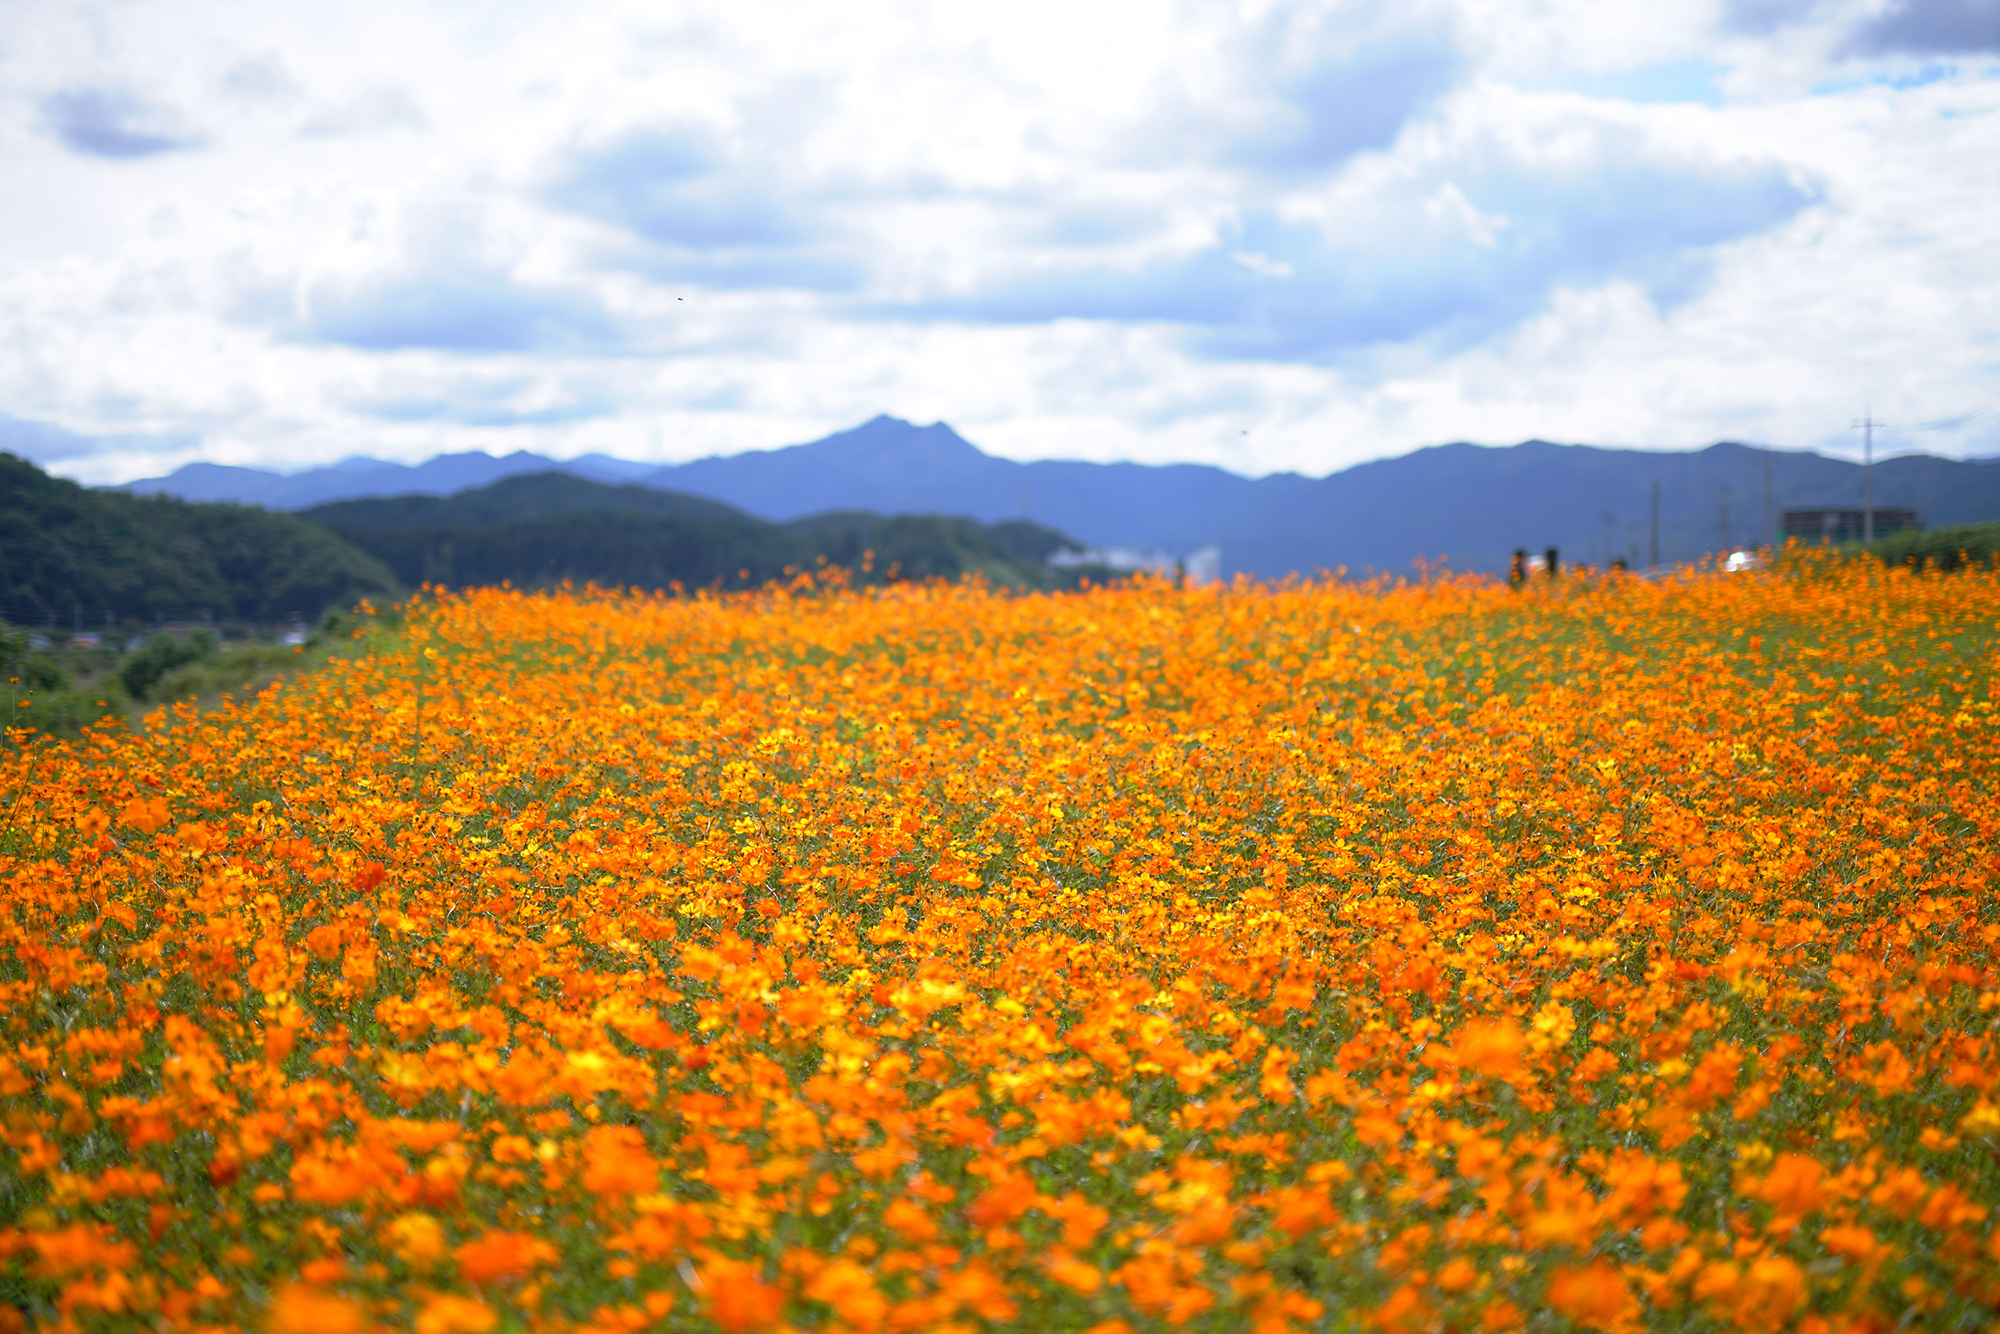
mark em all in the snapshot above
pixel 926 546
pixel 161 655
pixel 170 667
pixel 337 625
pixel 1020 540
pixel 67 712
pixel 607 548
pixel 25 668
pixel 236 667
pixel 41 698
pixel 1946 548
pixel 542 495
pixel 540 530
pixel 66 550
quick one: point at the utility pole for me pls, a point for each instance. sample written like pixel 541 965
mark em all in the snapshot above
pixel 1868 425
pixel 1770 531
pixel 1654 551
pixel 1723 521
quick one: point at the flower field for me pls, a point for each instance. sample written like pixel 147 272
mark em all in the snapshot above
pixel 1606 956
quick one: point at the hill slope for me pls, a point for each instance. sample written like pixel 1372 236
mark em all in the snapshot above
pixel 540 529
pixel 525 496
pixel 70 554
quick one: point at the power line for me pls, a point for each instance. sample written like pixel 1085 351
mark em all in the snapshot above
pixel 1991 409
pixel 1653 545
pixel 1868 426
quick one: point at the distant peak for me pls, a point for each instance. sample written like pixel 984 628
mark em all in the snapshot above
pixel 883 430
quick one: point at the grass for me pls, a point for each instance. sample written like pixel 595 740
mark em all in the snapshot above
pixel 60 693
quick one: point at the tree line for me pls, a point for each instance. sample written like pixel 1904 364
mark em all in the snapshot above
pixel 540 529
pixel 73 558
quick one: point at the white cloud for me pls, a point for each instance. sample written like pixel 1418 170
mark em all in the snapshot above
pixel 1268 235
pixel 1258 262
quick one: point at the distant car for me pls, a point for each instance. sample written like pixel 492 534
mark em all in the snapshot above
pixel 1742 560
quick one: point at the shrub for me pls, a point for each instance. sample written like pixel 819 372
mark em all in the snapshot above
pixel 1945 548
pixel 161 655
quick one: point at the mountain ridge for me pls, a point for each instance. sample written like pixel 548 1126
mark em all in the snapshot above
pixel 1472 504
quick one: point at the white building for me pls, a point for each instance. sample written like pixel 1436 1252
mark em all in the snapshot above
pixel 1200 567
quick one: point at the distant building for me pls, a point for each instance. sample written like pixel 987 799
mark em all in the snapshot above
pixel 1125 560
pixel 1846 525
pixel 1203 566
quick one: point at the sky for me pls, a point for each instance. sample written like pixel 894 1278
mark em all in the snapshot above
pixel 1267 235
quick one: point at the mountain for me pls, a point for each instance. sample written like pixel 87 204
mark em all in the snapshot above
pixel 891 466
pixel 1476 503
pixel 525 496
pixel 1471 503
pixel 543 528
pixel 356 477
pixel 80 557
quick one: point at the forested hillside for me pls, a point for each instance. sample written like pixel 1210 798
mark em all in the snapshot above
pixel 71 555
pixel 541 529
pixel 541 495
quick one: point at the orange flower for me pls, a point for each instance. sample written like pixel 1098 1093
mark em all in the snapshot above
pixel 1714 1079
pixel 80 1246
pixel 1010 1196
pixel 1793 1187
pixel 847 1288
pixel 1593 1295
pixel 444 1313
pixel 497 1256
pixel 145 814
pixel 417 1239
pixel 616 1162
pixel 910 1221
pixel 1072 1273
pixel 1457 1274
pixel 1772 1292
pixel 1490 1047
pixel 1900 1191
pixel 1404 1313
pixel 1852 1242
pixel 737 1298
pixel 303 1309
pixel 1642 1186
pixel 890 907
